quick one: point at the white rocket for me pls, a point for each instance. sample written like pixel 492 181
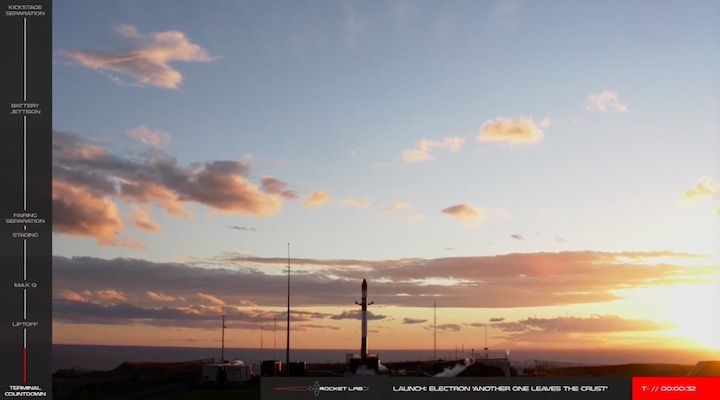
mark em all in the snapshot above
pixel 364 304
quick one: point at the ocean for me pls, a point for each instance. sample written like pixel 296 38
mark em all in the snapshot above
pixel 94 357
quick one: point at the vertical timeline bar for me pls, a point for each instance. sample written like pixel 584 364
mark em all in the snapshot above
pixel 24 356
pixel 24 163
pixel 26 198
pixel 24 59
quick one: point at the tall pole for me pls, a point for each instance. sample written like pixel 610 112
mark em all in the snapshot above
pixel 222 345
pixel 275 340
pixel 287 351
pixel 434 331
pixel 262 331
pixel 486 337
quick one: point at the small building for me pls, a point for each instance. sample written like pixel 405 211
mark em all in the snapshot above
pixel 297 368
pixel 271 368
pixel 234 372
pixel 213 372
pixel 239 373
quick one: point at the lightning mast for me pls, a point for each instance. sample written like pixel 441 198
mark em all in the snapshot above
pixel 287 351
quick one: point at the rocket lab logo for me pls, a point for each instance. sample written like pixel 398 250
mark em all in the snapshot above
pixel 317 388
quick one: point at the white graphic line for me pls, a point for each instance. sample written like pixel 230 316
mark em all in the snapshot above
pixel 24 59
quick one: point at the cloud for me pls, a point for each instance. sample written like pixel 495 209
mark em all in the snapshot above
pixel 516 236
pixel 560 239
pixel 92 295
pixel 155 139
pixel 148 62
pixel 545 122
pixel 705 188
pixel 592 324
pixel 397 207
pixel 357 314
pixel 71 295
pixel 242 228
pixel 411 217
pixel 141 219
pixel 305 327
pixel 499 319
pixel 160 297
pixel 212 299
pixel 421 152
pixel 110 294
pixel 349 201
pixel 406 216
pixel 413 321
pixel 87 180
pixel 316 198
pixel 277 187
pixel 204 317
pixel 449 327
pixel 605 101
pixel 463 212
pixel 245 303
pixel 513 131
pixel 80 212
pixel 546 279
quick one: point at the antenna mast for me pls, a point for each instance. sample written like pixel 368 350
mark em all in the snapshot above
pixel 486 348
pixel 222 345
pixel 434 331
pixel 287 351
pixel 275 340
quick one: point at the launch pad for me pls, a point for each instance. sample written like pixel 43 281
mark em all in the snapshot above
pixel 370 365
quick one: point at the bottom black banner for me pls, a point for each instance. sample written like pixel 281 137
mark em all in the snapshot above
pixel 386 387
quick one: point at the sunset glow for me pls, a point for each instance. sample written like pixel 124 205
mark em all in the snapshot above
pixel 545 171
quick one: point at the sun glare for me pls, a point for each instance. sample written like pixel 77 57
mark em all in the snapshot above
pixel 693 309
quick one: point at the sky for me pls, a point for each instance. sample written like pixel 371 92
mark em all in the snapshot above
pixel 543 170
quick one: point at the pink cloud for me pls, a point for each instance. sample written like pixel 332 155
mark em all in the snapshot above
pixel 605 101
pixel 277 187
pixel 316 198
pixel 78 211
pixel 422 149
pixel 513 131
pixel 141 219
pixel 155 139
pixel 463 212
pixel 349 201
pixel 149 62
pixel 160 296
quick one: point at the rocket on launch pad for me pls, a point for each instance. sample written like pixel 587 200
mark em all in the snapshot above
pixel 364 303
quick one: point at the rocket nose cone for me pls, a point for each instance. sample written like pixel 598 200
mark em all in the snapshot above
pixel 364 284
